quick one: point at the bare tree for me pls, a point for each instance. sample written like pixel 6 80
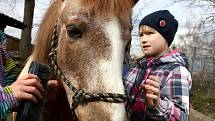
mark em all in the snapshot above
pixel 208 19
pixel 196 37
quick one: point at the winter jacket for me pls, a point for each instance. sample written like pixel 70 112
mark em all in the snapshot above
pixel 8 72
pixel 175 86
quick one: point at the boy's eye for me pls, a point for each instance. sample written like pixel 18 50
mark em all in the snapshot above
pixel 141 34
pixel 148 33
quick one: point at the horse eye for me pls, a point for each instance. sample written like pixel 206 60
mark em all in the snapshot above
pixel 74 31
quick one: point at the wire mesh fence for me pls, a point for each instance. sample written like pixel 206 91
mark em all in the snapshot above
pixel 202 67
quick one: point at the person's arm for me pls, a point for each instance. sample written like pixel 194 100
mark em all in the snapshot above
pixel 27 87
pixel 7 97
pixel 7 101
pixel 11 71
pixel 9 66
pixel 173 104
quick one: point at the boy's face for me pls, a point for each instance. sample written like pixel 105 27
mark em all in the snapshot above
pixel 152 42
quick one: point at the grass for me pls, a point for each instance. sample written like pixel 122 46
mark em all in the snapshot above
pixel 203 103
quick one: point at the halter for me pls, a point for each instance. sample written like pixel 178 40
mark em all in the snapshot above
pixel 80 95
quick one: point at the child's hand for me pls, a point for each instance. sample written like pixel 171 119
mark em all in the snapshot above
pixel 27 87
pixel 53 87
pixel 152 89
pixel 53 83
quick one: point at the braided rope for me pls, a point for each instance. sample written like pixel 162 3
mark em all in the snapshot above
pixel 80 95
pixel 53 58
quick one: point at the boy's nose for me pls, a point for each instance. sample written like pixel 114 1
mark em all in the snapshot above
pixel 143 40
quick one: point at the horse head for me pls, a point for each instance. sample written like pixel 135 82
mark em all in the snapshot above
pixel 91 40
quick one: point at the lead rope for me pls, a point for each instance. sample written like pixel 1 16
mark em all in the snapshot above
pixel 80 95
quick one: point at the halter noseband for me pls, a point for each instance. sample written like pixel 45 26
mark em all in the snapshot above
pixel 80 95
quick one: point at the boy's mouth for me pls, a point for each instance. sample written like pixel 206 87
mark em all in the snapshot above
pixel 146 46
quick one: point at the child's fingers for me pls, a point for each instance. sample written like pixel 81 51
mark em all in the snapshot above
pixel 34 82
pixel 143 87
pixel 154 78
pixel 33 91
pixel 152 96
pixel 29 97
pixel 150 101
pixel 153 89
pixel 53 83
pixel 153 83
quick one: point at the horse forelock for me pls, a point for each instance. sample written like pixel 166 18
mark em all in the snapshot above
pixel 120 8
pixel 103 8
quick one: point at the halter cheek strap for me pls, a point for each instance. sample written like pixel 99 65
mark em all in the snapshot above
pixel 80 96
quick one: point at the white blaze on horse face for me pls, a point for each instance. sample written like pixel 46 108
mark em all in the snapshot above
pixel 112 69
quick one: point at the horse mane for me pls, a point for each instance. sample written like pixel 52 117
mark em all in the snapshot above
pixel 43 41
pixel 119 8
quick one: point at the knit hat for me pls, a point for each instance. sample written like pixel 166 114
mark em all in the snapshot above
pixel 163 22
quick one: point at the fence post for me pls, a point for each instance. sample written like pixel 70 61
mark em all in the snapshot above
pixel 213 66
pixel 193 59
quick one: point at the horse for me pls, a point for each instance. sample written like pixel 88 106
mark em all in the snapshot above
pixel 90 37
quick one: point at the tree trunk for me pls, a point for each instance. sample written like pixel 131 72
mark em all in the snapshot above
pixel 25 43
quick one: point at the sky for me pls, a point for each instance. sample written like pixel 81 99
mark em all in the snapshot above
pixel 180 10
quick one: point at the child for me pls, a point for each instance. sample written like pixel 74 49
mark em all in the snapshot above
pixel 11 91
pixel 159 86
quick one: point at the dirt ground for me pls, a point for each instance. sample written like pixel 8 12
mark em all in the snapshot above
pixel 194 116
pixel 197 116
